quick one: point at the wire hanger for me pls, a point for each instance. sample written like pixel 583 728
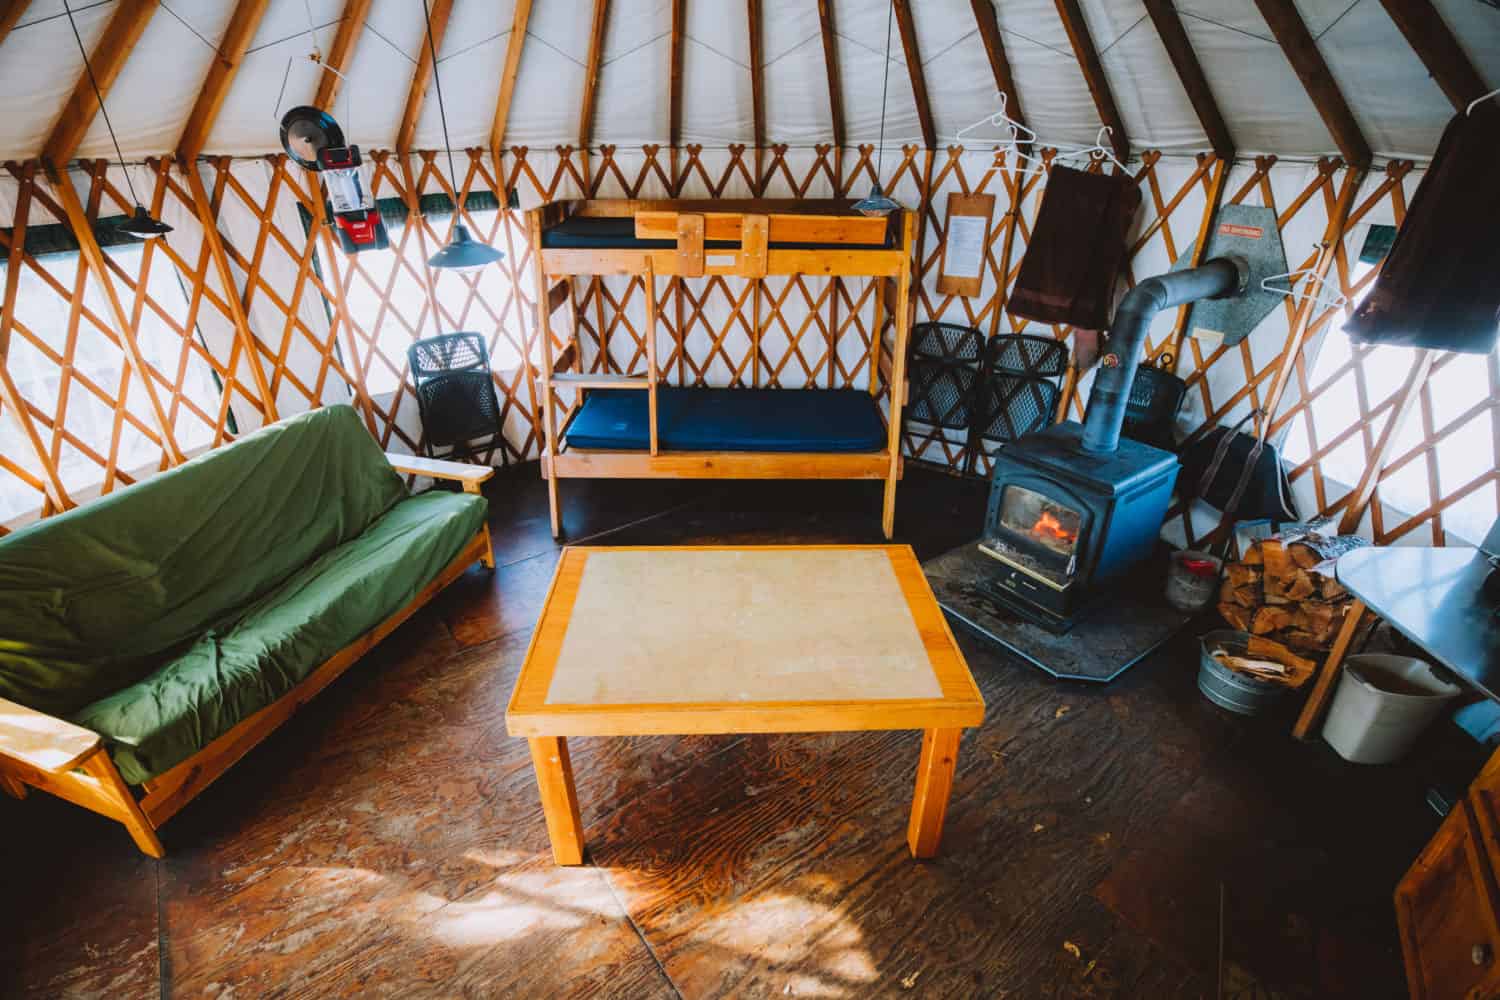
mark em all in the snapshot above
pixel 1312 290
pixel 1015 132
pixel 1476 102
pixel 315 56
pixel 1100 152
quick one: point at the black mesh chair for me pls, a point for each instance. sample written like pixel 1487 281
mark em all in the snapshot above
pixel 455 394
pixel 1151 408
pixel 1020 392
pixel 944 375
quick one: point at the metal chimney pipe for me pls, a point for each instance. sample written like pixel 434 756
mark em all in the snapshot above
pixel 1217 278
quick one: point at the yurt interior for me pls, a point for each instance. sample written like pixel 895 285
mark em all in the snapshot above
pixel 750 498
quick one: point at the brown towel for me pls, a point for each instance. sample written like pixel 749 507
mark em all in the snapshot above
pixel 1077 249
pixel 1440 287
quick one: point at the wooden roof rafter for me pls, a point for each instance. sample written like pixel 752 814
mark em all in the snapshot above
pixel 1093 75
pixel 422 75
pixel 351 27
pixel 674 94
pixel 108 58
pixel 591 76
pixel 243 24
pixel 10 13
pixel 1445 60
pixel 1174 37
pixel 908 31
pixel 1297 43
pixel 994 50
pixel 831 61
pixel 508 76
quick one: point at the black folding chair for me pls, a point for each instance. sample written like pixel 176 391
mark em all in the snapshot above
pixel 456 395
pixel 1020 391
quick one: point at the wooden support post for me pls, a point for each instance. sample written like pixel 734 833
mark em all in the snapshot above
pixel 650 281
pixel 93 256
pixel 929 806
pixel 548 413
pixel 902 319
pixel 242 331
pixel 554 780
pixel 101 768
pixel 1322 690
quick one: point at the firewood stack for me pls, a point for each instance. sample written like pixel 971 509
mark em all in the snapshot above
pixel 1284 589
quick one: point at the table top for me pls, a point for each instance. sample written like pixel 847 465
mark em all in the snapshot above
pixel 749 639
pixel 1432 596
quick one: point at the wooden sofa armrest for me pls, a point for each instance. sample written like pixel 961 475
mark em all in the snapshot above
pixel 470 475
pixel 41 740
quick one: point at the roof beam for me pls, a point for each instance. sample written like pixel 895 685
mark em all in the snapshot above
pixel 508 75
pixel 994 48
pixel 1439 51
pixel 1093 75
pixel 914 68
pixel 421 75
pixel 1169 28
pixel 1307 62
pixel 757 57
pixel 108 58
pixel 674 99
pixel 831 60
pixel 10 13
pixel 351 26
pixel 243 24
pixel 591 75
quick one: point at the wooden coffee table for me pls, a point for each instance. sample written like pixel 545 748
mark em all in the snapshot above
pixel 764 639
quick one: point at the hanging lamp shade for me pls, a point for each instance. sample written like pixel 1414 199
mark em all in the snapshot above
pixel 463 252
pixel 877 203
pixel 142 226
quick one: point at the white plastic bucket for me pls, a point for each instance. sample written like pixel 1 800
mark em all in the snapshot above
pixel 1382 704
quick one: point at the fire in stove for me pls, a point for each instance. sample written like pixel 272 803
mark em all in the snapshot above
pixel 1051 532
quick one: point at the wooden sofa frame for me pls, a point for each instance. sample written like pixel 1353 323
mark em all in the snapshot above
pixel 51 754
pixel 757 225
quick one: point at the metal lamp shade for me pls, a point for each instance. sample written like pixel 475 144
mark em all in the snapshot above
pixel 463 252
pixel 142 226
pixel 878 204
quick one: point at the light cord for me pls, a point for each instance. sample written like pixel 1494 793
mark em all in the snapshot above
pixel 885 87
pixel 437 81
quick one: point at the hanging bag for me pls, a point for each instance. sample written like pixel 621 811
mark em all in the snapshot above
pixel 1239 474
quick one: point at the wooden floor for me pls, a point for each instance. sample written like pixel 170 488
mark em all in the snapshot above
pixel 389 841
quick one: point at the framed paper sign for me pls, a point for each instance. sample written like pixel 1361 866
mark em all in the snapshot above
pixel 961 271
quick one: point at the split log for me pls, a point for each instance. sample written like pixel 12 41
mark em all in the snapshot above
pixel 1283 589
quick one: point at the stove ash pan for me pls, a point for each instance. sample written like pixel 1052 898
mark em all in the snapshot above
pixel 1062 522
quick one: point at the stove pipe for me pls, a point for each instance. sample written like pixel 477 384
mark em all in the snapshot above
pixel 1218 278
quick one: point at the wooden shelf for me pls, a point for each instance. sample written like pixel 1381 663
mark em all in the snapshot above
pixel 600 380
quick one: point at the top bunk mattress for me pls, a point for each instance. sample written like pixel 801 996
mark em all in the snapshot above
pixel 779 420
pixel 607 232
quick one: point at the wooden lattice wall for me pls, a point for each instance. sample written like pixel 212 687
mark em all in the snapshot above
pixel 1372 434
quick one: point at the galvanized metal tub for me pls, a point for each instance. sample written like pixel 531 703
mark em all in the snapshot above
pixel 1230 689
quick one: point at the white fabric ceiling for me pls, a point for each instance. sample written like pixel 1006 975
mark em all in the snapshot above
pixel 1400 110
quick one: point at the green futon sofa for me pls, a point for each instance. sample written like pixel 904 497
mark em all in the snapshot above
pixel 153 636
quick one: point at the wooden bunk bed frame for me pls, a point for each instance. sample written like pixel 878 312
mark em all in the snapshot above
pixel 831 240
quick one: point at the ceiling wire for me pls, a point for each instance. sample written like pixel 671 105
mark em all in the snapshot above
pixel 437 81
pixel 88 67
pixel 885 86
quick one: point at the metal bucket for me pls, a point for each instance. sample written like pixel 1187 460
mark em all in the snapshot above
pixel 1230 689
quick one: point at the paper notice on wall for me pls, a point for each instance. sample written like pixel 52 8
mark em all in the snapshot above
pixel 963 252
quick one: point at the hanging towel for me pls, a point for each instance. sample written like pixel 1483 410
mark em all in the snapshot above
pixel 1077 249
pixel 1440 287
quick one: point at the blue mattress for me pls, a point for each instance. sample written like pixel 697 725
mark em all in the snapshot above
pixel 785 420
pixel 596 232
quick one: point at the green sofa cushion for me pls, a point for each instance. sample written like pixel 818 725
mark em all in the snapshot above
pixel 93 599
pixel 238 669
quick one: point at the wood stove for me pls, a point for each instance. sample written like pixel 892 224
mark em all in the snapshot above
pixel 1074 507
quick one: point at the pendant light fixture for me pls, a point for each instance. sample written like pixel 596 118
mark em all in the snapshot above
pixel 463 252
pixel 879 204
pixel 140 224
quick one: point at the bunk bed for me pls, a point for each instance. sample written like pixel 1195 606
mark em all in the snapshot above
pixel 627 425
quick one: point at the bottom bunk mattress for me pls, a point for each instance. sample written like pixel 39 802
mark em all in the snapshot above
pixel 781 420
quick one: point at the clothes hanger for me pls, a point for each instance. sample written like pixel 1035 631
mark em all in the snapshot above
pixel 1016 133
pixel 1100 152
pixel 1476 102
pixel 1307 292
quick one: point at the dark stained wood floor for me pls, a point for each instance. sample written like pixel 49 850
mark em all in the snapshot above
pixel 389 841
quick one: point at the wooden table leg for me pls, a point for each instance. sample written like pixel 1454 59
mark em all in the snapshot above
pixel 934 782
pixel 1332 667
pixel 554 778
